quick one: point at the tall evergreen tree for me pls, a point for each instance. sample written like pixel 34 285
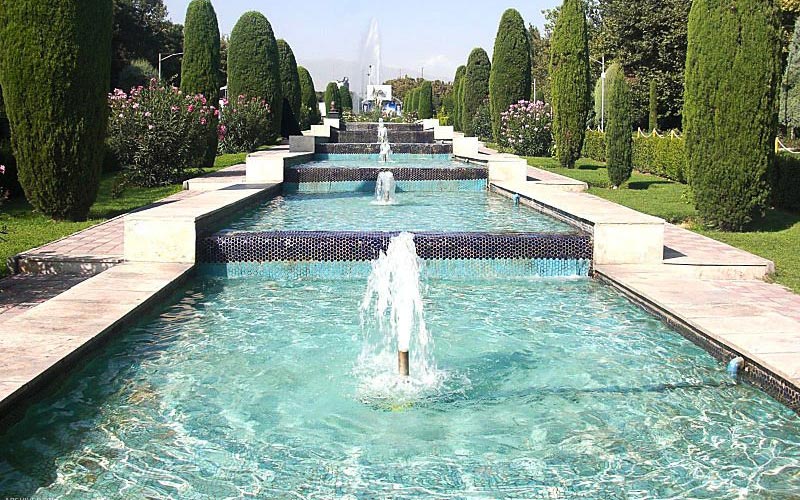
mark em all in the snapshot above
pixel 476 87
pixel 425 105
pixel 346 97
pixel 569 73
pixel 789 112
pixel 732 75
pixel 510 79
pixel 309 110
pixel 254 66
pixel 332 97
pixel 457 104
pixel 619 138
pixel 290 89
pixel 55 68
pixel 652 121
pixel 201 58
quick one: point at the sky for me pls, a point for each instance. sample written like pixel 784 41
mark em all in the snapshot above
pixel 328 37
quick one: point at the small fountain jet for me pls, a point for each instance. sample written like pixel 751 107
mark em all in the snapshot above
pixel 383 138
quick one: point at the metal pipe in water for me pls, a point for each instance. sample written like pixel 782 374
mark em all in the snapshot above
pixel 402 363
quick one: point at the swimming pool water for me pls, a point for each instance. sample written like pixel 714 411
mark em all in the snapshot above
pixel 414 211
pixel 554 389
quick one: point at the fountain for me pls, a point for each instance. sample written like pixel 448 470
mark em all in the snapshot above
pixel 385 188
pixel 383 138
pixel 397 353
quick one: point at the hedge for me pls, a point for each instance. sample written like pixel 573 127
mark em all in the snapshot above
pixel 785 179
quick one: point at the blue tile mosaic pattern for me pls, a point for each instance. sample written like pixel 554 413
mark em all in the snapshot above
pixel 355 148
pixel 475 185
pixel 297 175
pixel 454 269
pixel 299 246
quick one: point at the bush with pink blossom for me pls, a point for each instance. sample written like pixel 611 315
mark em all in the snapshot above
pixel 157 132
pixel 245 125
pixel 526 129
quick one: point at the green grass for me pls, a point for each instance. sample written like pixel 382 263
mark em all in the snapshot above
pixel 775 237
pixel 28 228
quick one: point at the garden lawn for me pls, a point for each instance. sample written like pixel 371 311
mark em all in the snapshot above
pixel 776 237
pixel 28 228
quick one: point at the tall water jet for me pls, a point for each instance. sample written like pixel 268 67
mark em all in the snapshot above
pixel 397 353
pixel 385 188
pixel 370 58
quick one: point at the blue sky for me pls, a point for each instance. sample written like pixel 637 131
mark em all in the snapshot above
pixel 327 37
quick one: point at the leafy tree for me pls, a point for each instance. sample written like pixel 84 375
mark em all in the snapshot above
pixel 253 65
pixel 55 68
pixel 457 96
pixel 425 104
pixel 510 78
pixel 476 87
pixel 332 97
pixel 732 74
pixel 789 112
pixel 290 89
pixel 138 72
pixel 309 110
pixel 619 138
pixel 224 41
pixel 653 116
pixel 200 68
pixel 569 72
pixel 540 64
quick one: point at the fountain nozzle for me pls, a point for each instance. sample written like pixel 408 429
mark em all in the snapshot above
pixel 402 363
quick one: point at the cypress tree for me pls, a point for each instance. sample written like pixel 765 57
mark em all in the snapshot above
pixel 347 99
pixel 569 77
pixel 425 106
pixel 653 119
pixel 309 112
pixel 55 67
pixel 510 79
pixel 619 138
pixel 732 75
pixel 414 101
pixel 476 87
pixel 332 96
pixel 457 91
pixel 201 60
pixel 290 89
pixel 253 65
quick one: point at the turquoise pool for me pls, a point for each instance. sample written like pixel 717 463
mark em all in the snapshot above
pixel 550 388
pixel 418 211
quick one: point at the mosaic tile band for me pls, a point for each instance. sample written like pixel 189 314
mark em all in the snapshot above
pixel 473 186
pixel 303 246
pixel 462 269
pixel 373 149
pixel 296 175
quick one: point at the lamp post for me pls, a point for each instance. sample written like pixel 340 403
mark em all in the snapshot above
pixel 602 62
pixel 162 59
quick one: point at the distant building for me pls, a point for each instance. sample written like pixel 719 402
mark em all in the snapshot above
pixel 380 97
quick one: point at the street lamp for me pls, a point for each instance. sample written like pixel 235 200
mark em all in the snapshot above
pixel 161 59
pixel 602 62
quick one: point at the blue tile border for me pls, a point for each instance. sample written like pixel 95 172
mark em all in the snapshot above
pixel 298 175
pixel 475 185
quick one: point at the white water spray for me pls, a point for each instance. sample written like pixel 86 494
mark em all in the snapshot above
pixel 385 189
pixel 393 321
pixel 383 139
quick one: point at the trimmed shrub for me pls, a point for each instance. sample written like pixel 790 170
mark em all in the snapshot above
pixel 594 145
pixel 425 104
pixel 653 116
pixel 137 74
pixel 510 78
pixel 55 68
pixel 476 89
pixel 663 156
pixel 619 141
pixel 253 65
pixel 786 182
pixel 569 77
pixel 290 89
pixel 332 97
pixel 201 61
pixel 243 126
pixel 730 120
pixel 458 86
pixel 157 133
pixel 526 128
pixel 309 109
pixel 347 99
pixel 481 125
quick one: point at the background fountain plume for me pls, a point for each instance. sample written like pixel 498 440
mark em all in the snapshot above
pixel 370 55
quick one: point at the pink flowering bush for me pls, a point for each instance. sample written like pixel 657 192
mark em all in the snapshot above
pixel 526 129
pixel 245 125
pixel 157 133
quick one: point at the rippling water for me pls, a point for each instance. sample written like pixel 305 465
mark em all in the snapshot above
pixel 414 211
pixel 554 389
